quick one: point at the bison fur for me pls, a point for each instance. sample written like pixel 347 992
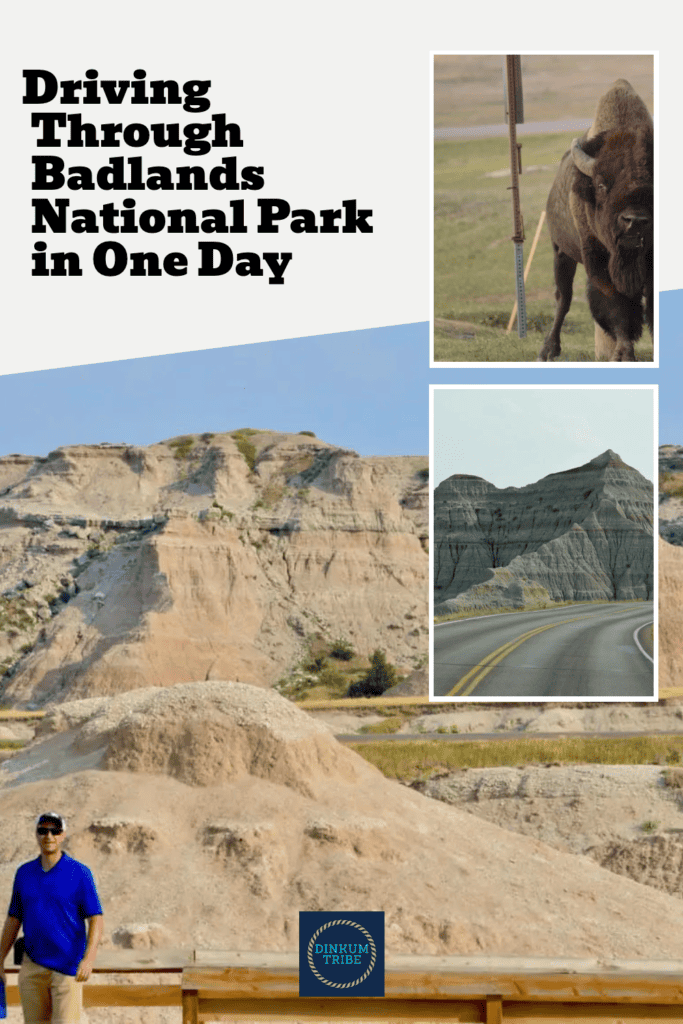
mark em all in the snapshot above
pixel 600 214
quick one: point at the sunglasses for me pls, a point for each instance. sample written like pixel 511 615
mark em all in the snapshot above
pixel 52 831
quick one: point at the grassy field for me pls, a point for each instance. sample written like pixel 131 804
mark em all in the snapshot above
pixel 474 278
pixel 413 760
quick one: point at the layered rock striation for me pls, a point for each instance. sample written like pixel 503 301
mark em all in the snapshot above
pixel 584 534
pixel 205 556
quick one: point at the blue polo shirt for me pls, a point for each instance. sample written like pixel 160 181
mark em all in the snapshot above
pixel 52 906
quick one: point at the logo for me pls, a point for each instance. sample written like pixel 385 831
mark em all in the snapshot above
pixel 341 954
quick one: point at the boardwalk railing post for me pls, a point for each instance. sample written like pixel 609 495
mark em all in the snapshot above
pixel 190 1006
pixel 494 1010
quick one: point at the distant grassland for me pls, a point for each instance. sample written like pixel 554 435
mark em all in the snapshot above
pixel 413 760
pixel 468 88
pixel 474 274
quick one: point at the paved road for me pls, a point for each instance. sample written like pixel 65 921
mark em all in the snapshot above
pixel 578 651
pixel 488 131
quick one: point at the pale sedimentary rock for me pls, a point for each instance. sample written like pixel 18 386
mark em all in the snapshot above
pixel 584 534
pixel 207 556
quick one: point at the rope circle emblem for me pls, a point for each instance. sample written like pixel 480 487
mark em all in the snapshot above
pixel 339 984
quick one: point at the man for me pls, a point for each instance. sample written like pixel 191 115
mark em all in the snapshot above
pixel 53 898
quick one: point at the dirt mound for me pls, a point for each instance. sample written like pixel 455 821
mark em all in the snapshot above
pixel 206 733
pixel 652 860
pixel 241 812
pixel 575 808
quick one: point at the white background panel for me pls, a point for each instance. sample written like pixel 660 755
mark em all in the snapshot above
pixel 333 102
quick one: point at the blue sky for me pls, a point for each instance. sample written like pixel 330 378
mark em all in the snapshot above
pixel 365 390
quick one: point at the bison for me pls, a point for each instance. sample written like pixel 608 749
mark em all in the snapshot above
pixel 600 213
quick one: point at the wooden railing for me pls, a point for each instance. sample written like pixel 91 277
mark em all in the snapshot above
pixel 250 988
pixel 127 978
pixel 255 987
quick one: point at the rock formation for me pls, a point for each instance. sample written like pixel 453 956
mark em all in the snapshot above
pixel 670 616
pixel 671 493
pixel 579 535
pixel 670 566
pixel 291 820
pixel 205 556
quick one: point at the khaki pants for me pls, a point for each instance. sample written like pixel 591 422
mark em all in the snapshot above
pixel 48 997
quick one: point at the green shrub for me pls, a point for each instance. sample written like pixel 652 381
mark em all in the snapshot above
pixel 342 650
pixel 307 433
pixel 334 680
pixel 245 447
pixel 381 677
pixel 315 664
pixel 182 446
pixel 225 514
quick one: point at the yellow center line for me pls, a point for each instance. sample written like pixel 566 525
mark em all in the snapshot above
pixel 475 675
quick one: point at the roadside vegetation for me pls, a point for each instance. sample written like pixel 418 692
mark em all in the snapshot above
pixel 332 670
pixel 415 760
pixel 471 613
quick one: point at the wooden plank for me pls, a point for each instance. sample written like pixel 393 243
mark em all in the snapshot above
pixel 454 964
pixel 614 987
pixel 323 1011
pixel 494 1010
pixel 583 1013
pixel 131 995
pixel 118 995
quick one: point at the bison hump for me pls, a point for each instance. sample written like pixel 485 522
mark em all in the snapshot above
pixel 620 107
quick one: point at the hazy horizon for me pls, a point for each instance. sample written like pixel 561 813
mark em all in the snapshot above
pixel 524 434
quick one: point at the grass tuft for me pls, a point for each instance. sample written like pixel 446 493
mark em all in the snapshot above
pixel 245 447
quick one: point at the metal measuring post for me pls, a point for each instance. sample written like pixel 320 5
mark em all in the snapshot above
pixel 514 115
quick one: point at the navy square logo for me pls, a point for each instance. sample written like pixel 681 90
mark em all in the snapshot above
pixel 341 954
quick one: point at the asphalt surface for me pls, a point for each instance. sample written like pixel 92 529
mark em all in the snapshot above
pixel 488 131
pixel 577 652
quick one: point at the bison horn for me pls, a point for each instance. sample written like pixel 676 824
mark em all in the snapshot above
pixel 584 162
